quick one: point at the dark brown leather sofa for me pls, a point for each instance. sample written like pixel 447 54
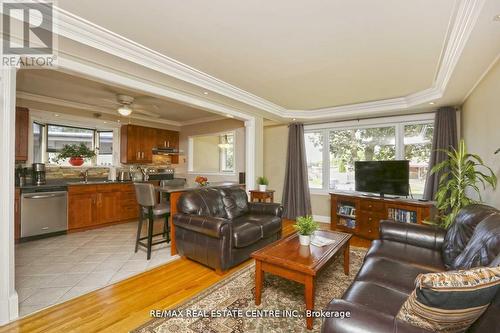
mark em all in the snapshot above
pixel 219 228
pixel 403 251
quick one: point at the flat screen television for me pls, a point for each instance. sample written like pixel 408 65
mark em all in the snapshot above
pixel 383 177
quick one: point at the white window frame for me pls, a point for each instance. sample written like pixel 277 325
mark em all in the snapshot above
pixel 220 172
pixel 397 121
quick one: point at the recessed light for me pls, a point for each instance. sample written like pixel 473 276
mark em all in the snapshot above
pixel 56 115
pixel 205 93
pixel 432 103
pixel 496 17
pixel 118 120
pixel 105 122
pixel 229 116
pixel 294 119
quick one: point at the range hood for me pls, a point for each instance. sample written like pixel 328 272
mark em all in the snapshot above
pixel 166 151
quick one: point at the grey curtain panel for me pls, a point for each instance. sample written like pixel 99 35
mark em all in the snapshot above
pixel 296 197
pixel 445 136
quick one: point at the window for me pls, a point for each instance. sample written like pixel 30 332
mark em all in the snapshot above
pixel 212 153
pixel 226 147
pixel 392 140
pixel 362 144
pixel 314 149
pixel 104 148
pixel 418 146
pixel 58 136
pixel 38 130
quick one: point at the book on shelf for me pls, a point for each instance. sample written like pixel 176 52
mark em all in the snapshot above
pixel 344 209
pixel 347 222
pixel 403 215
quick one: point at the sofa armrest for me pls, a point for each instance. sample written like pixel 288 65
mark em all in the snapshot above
pixel 265 208
pixel 364 319
pixel 206 225
pixel 413 234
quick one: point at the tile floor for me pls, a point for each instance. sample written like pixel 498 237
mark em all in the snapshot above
pixel 56 269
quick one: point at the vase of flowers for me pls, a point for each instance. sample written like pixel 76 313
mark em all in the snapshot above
pixel 262 182
pixel 76 154
pixel 201 181
pixel 306 227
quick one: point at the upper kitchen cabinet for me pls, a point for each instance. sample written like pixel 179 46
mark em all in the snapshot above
pixel 22 130
pixel 137 143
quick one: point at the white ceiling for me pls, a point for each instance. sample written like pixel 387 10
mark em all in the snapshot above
pixel 297 54
pixel 53 87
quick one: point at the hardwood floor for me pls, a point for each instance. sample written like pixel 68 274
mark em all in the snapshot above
pixel 126 305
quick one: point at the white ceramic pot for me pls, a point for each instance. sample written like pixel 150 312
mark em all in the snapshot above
pixel 262 188
pixel 305 240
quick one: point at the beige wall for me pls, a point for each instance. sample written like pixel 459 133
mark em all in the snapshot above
pixel 211 128
pixel 206 153
pixel 481 126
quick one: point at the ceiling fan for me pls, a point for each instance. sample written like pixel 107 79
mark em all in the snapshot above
pixel 127 105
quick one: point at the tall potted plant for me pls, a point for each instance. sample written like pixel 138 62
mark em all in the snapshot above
pixel 305 226
pixel 262 182
pixel 76 154
pixel 462 173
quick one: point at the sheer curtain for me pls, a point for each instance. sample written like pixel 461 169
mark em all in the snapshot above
pixel 296 197
pixel 445 136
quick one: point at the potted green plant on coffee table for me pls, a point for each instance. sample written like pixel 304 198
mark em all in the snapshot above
pixel 262 182
pixel 462 174
pixel 305 227
pixel 75 153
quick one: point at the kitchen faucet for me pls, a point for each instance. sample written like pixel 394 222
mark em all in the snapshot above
pixel 85 175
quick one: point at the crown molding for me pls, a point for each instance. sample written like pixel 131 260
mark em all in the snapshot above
pixel 88 33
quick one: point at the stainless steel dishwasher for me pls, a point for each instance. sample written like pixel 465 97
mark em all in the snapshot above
pixel 44 211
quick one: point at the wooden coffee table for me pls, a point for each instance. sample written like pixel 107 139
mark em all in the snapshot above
pixel 288 259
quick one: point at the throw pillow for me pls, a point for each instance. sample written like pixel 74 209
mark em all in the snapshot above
pixel 450 301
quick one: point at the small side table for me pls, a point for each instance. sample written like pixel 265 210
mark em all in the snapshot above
pixel 262 196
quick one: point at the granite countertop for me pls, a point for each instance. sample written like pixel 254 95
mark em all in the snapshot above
pixel 71 181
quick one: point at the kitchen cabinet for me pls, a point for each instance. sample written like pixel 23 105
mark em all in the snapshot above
pixel 108 203
pixel 17 214
pixel 82 210
pixel 94 205
pixel 22 130
pixel 137 143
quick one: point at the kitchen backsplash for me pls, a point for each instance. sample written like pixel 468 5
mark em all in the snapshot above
pixel 54 172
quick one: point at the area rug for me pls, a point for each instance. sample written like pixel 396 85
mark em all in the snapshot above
pixel 215 309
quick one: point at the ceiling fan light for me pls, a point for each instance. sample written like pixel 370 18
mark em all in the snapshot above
pixel 125 110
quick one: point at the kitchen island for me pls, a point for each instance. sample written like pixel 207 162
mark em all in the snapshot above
pixel 175 192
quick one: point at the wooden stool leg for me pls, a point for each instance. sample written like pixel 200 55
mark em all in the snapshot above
pixel 150 232
pixel 167 225
pixel 139 229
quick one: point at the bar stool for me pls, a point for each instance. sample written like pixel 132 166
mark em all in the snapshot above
pixel 146 198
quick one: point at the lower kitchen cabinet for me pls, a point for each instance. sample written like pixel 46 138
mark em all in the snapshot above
pixel 93 205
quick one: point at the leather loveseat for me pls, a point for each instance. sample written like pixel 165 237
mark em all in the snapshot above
pixel 219 228
pixel 403 251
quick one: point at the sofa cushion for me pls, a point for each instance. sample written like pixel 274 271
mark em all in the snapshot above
pixel 418 256
pixel 392 274
pixel 268 224
pixel 451 301
pixel 205 201
pixel 484 245
pixel 245 233
pixel 235 201
pixel 374 296
pixel 460 232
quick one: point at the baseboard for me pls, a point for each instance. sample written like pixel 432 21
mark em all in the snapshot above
pixel 321 218
pixel 14 306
